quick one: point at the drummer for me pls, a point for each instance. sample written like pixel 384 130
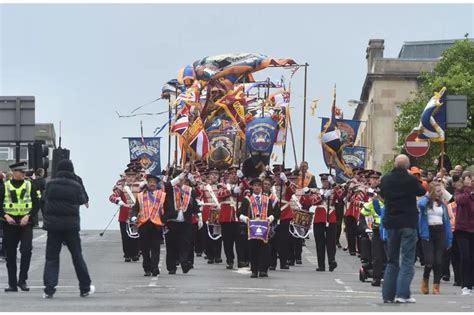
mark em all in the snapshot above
pixel 258 206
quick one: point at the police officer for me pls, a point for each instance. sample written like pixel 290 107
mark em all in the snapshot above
pixel 19 204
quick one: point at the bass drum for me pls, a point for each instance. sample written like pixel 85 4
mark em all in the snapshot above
pixel 300 226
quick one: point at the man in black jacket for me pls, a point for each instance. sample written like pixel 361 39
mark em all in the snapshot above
pixel 63 197
pixel 399 190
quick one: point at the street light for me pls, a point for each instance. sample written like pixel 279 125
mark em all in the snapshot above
pixel 353 103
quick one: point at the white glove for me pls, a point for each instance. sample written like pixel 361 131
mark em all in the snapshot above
pixel 283 177
pixel 177 179
pixel 240 174
pixel 200 224
pixel 305 190
pixel 328 193
pixel 270 219
pixel 121 203
pixel 368 231
pixel 200 203
pixel 312 209
pixel 237 190
pixel 191 177
pixel 182 176
pixel 243 218
pixel 133 220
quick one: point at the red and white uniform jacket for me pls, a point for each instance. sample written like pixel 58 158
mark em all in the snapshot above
pixel 354 205
pixel 286 211
pixel 121 191
pixel 228 200
pixel 208 200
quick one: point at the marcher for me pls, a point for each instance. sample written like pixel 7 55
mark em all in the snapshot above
pixel 19 204
pixel 63 197
pixel 399 190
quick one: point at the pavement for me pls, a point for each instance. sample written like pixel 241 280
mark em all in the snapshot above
pixel 122 287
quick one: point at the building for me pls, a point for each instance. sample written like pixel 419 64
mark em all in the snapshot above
pixel 43 132
pixel 390 82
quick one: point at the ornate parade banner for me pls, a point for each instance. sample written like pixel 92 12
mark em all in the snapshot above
pixel 221 150
pixel 258 230
pixel 147 152
pixel 355 158
pixel 260 137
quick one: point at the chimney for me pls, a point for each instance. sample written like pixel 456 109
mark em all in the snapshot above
pixel 375 50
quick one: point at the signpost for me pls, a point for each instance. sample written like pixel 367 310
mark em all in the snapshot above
pixel 416 148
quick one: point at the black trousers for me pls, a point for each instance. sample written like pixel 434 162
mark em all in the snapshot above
pixel 339 217
pixel 53 250
pixel 365 248
pixel 14 235
pixel 325 237
pixel 378 255
pixel 200 239
pixel 178 244
pixel 230 235
pixel 2 252
pixel 243 248
pixel 433 252
pixel 351 233
pixel 213 247
pixel 150 244
pixel 195 230
pixel 129 245
pixel 465 242
pixel 280 244
pixel 296 248
pixel 452 257
pixel 259 256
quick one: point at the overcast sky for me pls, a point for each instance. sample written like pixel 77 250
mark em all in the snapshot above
pixel 83 62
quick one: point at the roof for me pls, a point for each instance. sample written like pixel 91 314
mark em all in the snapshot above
pixel 431 49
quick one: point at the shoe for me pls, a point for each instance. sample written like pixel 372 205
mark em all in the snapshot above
pixel 147 274
pixel 436 289
pixel 254 275
pixel 23 286
pixel 456 284
pixel 345 249
pixel 291 262
pixel 388 301
pixel 339 245
pixel 272 267
pixel 404 301
pixel 48 295
pixel 466 292
pixel 128 259
pixel 446 278
pixel 198 254
pixel 320 269
pixel 155 272
pixel 172 272
pixel 177 263
pixel 376 283
pixel 135 258
pixel 352 253
pixel 286 267
pixel 230 266
pixel 218 260
pixel 240 264
pixel 90 292
pixel 210 261
pixel 11 289
pixel 299 262
pixel 332 266
pixel 185 268
pixel 425 286
pixel 263 274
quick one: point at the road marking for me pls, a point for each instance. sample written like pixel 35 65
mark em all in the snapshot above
pixel 331 296
pixel 351 291
pixel 348 289
pixel 183 302
pixel 38 237
pixel 241 271
pixel 452 302
pixel 236 302
pixel 306 251
pixel 339 281
pixel 261 289
pixel 57 287
pixel 290 303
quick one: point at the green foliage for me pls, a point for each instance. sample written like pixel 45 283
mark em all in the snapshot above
pixel 456 71
pixel 387 166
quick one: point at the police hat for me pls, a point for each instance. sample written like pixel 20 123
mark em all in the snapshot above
pixel 324 176
pixel 21 166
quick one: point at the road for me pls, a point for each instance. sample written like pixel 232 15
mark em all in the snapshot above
pixel 122 286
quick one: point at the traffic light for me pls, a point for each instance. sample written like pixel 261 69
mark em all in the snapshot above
pixel 59 154
pixel 38 156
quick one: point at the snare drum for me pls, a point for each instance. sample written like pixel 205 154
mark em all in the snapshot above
pixel 213 217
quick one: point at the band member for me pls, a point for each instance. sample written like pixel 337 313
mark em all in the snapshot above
pixel 209 193
pixel 356 197
pixel 305 178
pixel 258 206
pixel 269 190
pixel 124 194
pixel 296 243
pixel 180 205
pixel 242 246
pixel 19 203
pixel 284 190
pixel 228 195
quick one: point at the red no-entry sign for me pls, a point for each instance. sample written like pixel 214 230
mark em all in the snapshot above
pixel 416 148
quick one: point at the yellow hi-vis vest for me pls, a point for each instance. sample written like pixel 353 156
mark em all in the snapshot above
pixel 24 204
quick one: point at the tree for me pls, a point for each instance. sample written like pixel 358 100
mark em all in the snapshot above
pixel 455 70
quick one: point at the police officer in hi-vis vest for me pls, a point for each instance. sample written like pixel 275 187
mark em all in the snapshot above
pixel 19 204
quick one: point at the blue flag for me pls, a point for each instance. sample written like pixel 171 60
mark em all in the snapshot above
pixel 147 152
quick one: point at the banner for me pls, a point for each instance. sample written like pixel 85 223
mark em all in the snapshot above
pixel 221 150
pixel 258 230
pixel 354 157
pixel 148 152
pixel 260 137
pixel 348 133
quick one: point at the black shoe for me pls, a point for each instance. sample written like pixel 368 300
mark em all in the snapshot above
pixel 177 263
pixel 135 258
pixel 358 255
pixel 376 283
pixel 247 264
pixel 254 275
pixel 299 262
pixel 218 260
pixel 445 278
pixel 272 267
pixel 263 274
pixel 352 253
pixel 339 245
pixel 186 268
pixel 172 272
pixel 230 266
pixel 23 286
pixel 11 289
pixel 320 269
pixel 332 266
pixel 47 296
pixel 240 264
pixel 345 249
pixel 147 274
pixel 155 272
pixel 90 292
pixel 198 254
pixel 205 257
pixel 128 259
pixel 291 262
pixel 457 284
pixel 210 261
pixel 285 267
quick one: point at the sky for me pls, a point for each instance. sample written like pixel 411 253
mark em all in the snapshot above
pixel 83 62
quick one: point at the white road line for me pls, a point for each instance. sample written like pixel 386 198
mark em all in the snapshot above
pixel 260 289
pixel 38 237
pixel 348 289
pixel 452 302
pixel 57 287
pixel 290 303
pixel 331 296
pixel 183 302
pixel 339 281
pixel 352 291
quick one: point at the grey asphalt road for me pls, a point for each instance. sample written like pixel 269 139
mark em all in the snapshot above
pixel 122 286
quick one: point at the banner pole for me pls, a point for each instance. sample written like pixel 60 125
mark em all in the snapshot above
pixel 304 108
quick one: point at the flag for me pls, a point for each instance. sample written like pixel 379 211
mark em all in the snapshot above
pixel 147 151
pixel 282 102
pixel 195 138
pixel 331 139
pixel 233 104
pixel 348 130
pixel 181 124
pixel 433 119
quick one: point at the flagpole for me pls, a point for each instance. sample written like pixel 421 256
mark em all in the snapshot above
pixel 169 131
pixel 292 137
pixel 176 137
pixel 304 108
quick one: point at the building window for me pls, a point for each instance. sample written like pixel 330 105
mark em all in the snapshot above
pixel 5 154
pixel 23 153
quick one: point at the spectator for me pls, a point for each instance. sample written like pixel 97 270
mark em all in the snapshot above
pixel 399 190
